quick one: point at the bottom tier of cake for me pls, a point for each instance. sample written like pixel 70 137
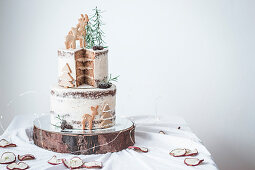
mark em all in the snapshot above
pixel 86 142
pixel 78 108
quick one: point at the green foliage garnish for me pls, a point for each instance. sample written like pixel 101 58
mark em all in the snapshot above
pixel 59 118
pixel 99 34
pixel 95 34
pixel 55 125
pixel 108 83
pixel 90 41
pixel 113 78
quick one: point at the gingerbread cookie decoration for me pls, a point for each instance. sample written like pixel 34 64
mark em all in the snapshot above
pixel 87 118
pixel 82 22
pixel 66 80
pixel 66 69
pixel 106 123
pixel 106 112
pixel 77 33
pixel 106 115
pixel 66 77
pixel 71 38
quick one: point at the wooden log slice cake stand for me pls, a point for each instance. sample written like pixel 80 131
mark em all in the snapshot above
pixel 85 142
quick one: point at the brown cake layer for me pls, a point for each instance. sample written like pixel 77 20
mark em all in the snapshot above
pixel 79 72
pixel 89 64
pixel 79 54
pixel 90 81
pixel 89 54
pixel 80 81
pixel 89 73
pixel 79 64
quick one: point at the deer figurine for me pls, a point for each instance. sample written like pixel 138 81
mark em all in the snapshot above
pixel 82 22
pixel 71 38
pixel 78 33
pixel 89 118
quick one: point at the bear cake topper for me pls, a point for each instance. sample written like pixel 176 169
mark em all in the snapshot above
pixel 88 32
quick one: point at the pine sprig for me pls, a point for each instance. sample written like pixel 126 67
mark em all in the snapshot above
pixel 59 118
pixel 95 34
pixel 55 125
pixel 90 41
pixel 113 78
pixel 98 23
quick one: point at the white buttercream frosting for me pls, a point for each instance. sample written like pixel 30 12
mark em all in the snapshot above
pixel 99 67
pixel 72 103
pixel 100 64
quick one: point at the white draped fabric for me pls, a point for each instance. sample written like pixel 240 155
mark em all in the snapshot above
pixel 146 135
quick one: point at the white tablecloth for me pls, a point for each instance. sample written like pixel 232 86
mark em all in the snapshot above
pixel 146 134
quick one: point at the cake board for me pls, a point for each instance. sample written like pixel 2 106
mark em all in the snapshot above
pixel 84 142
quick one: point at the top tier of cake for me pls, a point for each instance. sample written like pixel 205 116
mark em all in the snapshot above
pixel 78 67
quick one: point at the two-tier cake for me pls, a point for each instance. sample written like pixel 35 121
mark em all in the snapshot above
pixel 84 98
pixel 77 99
pixel 82 116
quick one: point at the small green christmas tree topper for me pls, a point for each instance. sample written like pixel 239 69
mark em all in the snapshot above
pixel 95 34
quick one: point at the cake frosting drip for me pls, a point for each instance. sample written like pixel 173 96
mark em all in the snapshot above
pixel 71 104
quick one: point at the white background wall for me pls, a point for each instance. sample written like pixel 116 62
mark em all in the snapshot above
pixel 193 57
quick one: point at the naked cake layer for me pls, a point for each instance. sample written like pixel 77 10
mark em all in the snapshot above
pixel 77 106
pixel 84 66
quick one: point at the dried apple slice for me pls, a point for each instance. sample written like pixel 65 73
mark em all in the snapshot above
pixel 191 152
pixel 26 157
pixel 162 132
pixel 192 161
pixel 55 161
pixel 74 163
pixel 178 152
pixel 19 166
pixel 93 164
pixel 4 143
pixel 139 149
pixel 66 163
pixel 7 158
